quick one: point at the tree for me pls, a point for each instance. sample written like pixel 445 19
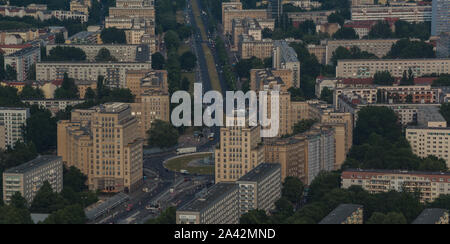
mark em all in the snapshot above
pixel 166 217
pixel 172 40
pixel 383 78
pixel 46 200
pixel 443 80
pixel 10 73
pixel 346 33
pixel 408 49
pixel 104 56
pixel 29 92
pixel 322 184
pixel 18 201
pixel 74 179
pixel 381 30
pixel 73 214
pixel 61 53
pixel 445 111
pixel 188 61
pixel 387 219
pixel 68 89
pixel 59 39
pixel 408 78
pixel 113 35
pixel 443 201
pixel 352 53
pixel 255 217
pixel 158 61
pixel 303 125
pixel 293 189
pixel 162 134
pixel 40 129
pixel 327 95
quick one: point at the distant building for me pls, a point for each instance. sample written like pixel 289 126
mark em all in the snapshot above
pixel 441 17
pixel 220 205
pixel 345 214
pixel 443 45
pixel 289 153
pixel 53 105
pixel 23 60
pixel 317 17
pixel 407 12
pixel 285 57
pixel 260 188
pixel 430 184
pixel 13 119
pixel 432 216
pixel 250 47
pixel 366 68
pixel 234 10
pixel 114 73
pixel 28 178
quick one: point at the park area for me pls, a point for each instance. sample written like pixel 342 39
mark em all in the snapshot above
pixel 192 163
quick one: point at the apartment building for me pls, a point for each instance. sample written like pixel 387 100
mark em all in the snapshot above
pixel 134 3
pixel 104 142
pixel 260 188
pixel 83 86
pixel 250 47
pixel 316 16
pixel 219 205
pixel 79 6
pixel 289 153
pixel 345 214
pixel 234 10
pixel 304 4
pixel 29 177
pixel 9 49
pixel 379 47
pixel 365 68
pixel 140 81
pixel 23 60
pixel 54 105
pixel 153 105
pixel 319 152
pixel 13 120
pixel 25 35
pixel 320 51
pixel 261 79
pixel 440 17
pixel 134 12
pixel 362 2
pixel 114 73
pixel 85 37
pixel 328 28
pixel 70 15
pixel 251 27
pixel 285 57
pixel 430 184
pixel 240 150
pixel 443 45
pixel 407 12
pixel 2 136
pixel 122 53
pixel 432 216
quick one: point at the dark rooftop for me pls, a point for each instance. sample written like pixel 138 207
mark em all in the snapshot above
pixel 35 163
pixel 260 172
pixel 214 194
pixel 430 216
pixel 340 214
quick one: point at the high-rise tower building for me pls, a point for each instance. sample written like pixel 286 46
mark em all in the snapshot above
pixel 441 17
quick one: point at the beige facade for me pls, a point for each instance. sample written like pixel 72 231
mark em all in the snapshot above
pixel 410 12
pixel 234 10
pixel 249 47
pixel 285 57
pixel 429 141
pixel 104 143
pixel 140 81
pixel 289 153
pixel 320 51
pixel 346 214
pixel 77 6
pixel 240 151
pixel 83 87
pixel 141 12
pixel 13 119
pixel 430 184
pixel 2 136
pixel 379 47
pixel 367 68
pixel 251 27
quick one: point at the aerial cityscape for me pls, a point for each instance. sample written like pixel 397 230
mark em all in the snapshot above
pixel 225 112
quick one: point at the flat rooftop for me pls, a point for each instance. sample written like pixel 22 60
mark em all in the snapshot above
pixel 214 194
pixel 341 213
pixel 260 172
pixel 33 164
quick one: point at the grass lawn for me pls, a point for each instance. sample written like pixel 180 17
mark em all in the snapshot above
pixel 198 20
pixel 212 71
pixel 181 163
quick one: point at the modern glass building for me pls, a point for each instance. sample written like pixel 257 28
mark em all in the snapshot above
pixel 441 17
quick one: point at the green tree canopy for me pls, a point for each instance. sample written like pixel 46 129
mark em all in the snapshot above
pixel 346 33
pixel 293 189
pixel 188 61
pixel 113 35
pixel 62 53
pixel 104 56
pixel 162 134
pixel 172 40
pixel 158 61
pixel 29 92
pixel 255 217
pixel 383 78
pixel 303 125
pixel 408 49
pixel 381 30
pixel 166 217
pixel 40 129
pixel 390 218
pixel 46 200
pixel 68 89
pixel 73 214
